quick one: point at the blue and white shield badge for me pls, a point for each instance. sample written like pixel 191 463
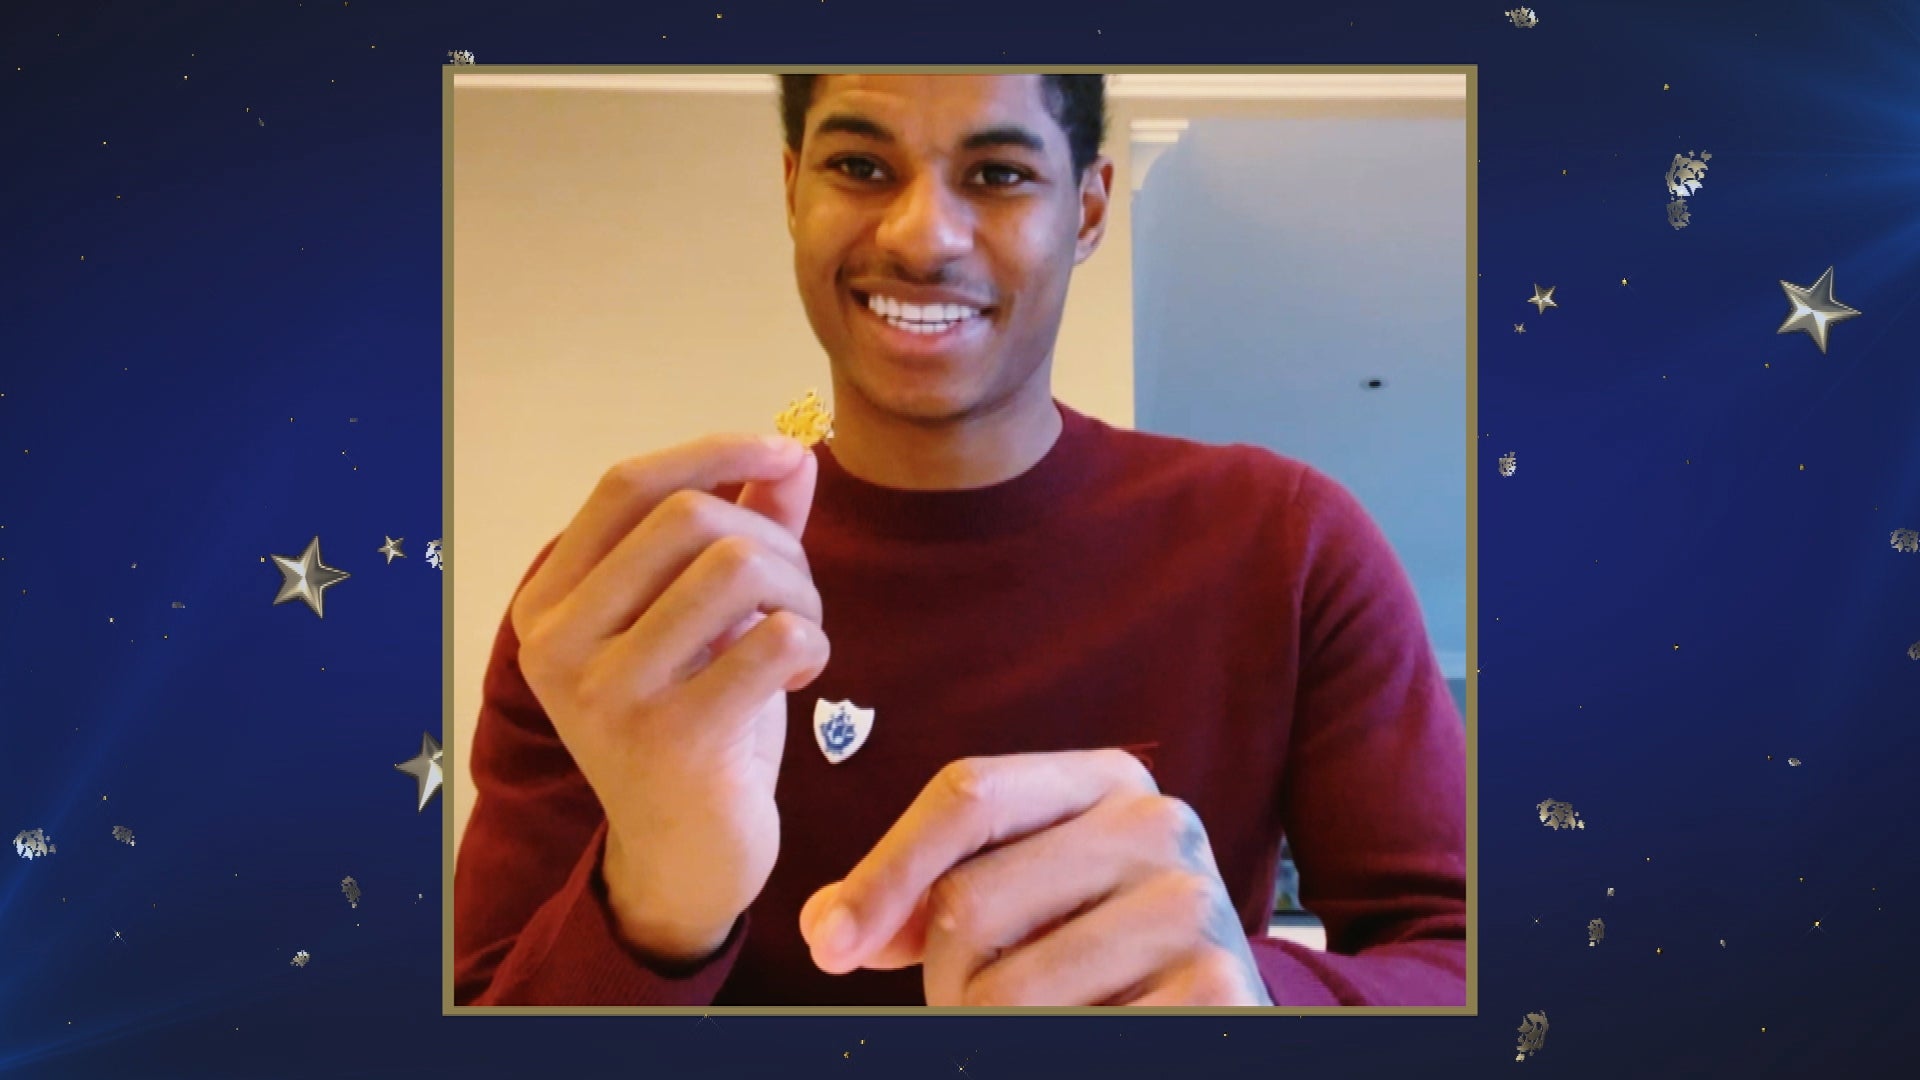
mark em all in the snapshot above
pixel 841 728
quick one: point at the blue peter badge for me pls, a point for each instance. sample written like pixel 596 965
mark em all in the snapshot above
pixel 841 728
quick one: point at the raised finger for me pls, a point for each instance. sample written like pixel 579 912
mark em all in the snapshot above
pixel 630 491
pixel 784 651
pixel 732 580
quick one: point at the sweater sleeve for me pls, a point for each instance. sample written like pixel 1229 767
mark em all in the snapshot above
pixel 531 920
pixel 1374 798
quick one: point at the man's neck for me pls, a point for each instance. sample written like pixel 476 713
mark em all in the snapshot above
pixel 981 451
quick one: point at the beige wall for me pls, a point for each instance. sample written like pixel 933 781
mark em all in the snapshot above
pixel 622 281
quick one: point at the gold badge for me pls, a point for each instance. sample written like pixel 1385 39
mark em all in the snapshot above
pixel 807 420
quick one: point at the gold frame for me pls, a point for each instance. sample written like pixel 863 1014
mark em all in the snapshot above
pixel 450 771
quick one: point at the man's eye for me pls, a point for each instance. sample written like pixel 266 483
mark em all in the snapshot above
pixel 856 168
pixel 1001 175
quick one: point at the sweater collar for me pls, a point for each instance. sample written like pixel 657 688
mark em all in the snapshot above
pixel 998 509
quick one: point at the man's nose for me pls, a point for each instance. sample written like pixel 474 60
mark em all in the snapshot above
pixel 927 225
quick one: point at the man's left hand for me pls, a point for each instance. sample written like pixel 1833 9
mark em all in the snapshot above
pixel 1042 879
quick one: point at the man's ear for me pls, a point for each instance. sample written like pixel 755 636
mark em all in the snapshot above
pixel 1096 199
pixel 790 170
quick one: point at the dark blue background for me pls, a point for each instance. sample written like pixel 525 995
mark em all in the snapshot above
pixel 180 400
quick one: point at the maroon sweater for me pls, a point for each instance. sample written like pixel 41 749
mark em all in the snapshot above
pixel 1232 616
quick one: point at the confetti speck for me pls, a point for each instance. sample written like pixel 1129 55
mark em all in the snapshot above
pixel 1559 815
pixel 33 844
pixel 122 833
pixel 299 960
pixel 1684 176
pixel 352 890
pixel 1794 761
pixel 1533 1035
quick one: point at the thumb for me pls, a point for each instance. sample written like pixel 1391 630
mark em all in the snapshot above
pixel 788 500
pixel 907 948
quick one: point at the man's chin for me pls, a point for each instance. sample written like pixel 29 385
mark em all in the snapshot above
pixel 924 406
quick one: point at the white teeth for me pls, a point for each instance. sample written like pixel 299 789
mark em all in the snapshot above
pixel 937 317
pixel 919 327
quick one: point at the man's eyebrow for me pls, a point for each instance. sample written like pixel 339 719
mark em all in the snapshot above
pixel 1005 135
pixel 850 124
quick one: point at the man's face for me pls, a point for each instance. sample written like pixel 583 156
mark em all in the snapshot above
pixel 936 220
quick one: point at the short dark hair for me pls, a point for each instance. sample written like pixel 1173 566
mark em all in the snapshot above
pixel 1078 103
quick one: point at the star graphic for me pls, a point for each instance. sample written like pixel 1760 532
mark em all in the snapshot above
pixel 306 577
pixel 391 549
pixel 425 768
pixel 1543 300
pixel 1814 309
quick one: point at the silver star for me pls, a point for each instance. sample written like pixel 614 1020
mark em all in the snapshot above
pixel 306 577
pixel 1543 300
pixel 391 549
pixel 1814 309
pixel 425 768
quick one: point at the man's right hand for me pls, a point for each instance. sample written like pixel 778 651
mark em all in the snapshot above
pixel 662 635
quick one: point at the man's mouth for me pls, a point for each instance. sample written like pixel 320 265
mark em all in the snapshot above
pixel 929 319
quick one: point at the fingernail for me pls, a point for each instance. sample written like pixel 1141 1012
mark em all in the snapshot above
pixel 835 932
pixel 780 444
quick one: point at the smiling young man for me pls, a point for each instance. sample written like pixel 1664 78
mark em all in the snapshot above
pixel 1106 670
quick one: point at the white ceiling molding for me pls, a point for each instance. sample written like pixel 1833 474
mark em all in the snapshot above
pixel 1252 86
pixel 1279 86
pixel 1149 139
pixel 656 84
